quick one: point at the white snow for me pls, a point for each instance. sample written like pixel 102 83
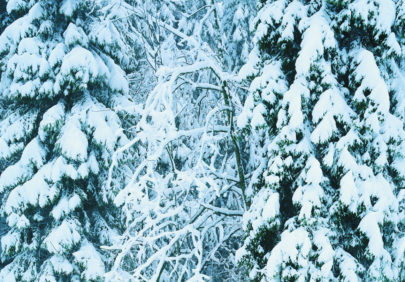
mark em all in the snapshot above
pixel 250 67
pixel 117 81
pixel 348 192
pixel 314 174
pixel 312 45
pixel 329 157
pixel 25 66
pixel 30 46
pixel 46 89
pixel 82 64
pixel 63 237
pixel 370 226
pixel 347 265
pixel 383 12
pixel 326 251
pixel 60 168
pixel 4 149
pixel 10 240
pixel 271 207
pixel 20 28
pixel 257 117
pixel 56 55
pixel 52 118
pixel 347 161
pixel 20 222
pixel 28 89
pixel 34 153
pixel 332 101
pixel 294 10
pixel 13 175
pixel 310 194
pixel 90 259
pixel 399 247
pixel 307 197
pixel 34 192
pixel 294 247
pixel 15 127
pixel 61 264
pixel 75 35
pixel 350 139
pixel 105 126
pixel 93 164
pixel 368 73
pixel 324 130
pixel 17 5
pixel 106 35
pixel 381 189
pixel 265 207
pixel 65 206
pixel 246 114
pixel 73 142
pixel 293 99
pixel 68 7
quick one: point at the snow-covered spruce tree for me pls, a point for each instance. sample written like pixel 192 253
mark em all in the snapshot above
pixel 184 202
pixel 61 74
pixel 326 118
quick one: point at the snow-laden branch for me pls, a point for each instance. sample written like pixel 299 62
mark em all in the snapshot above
pixel 184 197
pixel 222 210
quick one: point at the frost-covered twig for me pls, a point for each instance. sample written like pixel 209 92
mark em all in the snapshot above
pixel 186 183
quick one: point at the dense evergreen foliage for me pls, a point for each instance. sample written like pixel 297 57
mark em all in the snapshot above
pixel 60 76
pixel 326 105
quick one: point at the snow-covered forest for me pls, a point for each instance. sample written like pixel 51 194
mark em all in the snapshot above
pixel 202 140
